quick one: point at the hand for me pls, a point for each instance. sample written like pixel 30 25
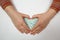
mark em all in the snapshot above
pixel 43 20
pixel 17 19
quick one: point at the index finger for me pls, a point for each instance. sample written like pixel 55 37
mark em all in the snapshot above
pixel 25 26
pixel 37 24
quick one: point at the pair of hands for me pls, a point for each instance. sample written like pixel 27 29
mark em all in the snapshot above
pixel 18 20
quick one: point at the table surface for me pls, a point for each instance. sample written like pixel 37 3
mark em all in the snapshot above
pixel 30 7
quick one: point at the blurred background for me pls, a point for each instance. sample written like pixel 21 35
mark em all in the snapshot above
pixel 30 7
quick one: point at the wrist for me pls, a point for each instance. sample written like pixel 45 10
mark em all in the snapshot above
pixel 56 5
pixel 10 10
pixel 51 13
pixel 5 3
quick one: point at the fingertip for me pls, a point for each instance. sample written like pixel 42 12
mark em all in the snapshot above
pixel 33 33
pixel 27 28
pixel 35 16
pixel 34 27
pixel 27 31
pixel 26 16
pixel 21 31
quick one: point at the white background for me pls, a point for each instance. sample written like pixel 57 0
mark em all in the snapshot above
pixel 30 7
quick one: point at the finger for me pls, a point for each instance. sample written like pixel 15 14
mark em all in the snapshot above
pixel 26 29
pixel 40 28
pixel 37 24
pixel 26 16
pixel 25 26
pixel 38 31
pixel 21 29
pixel 35 16
pixel 35 31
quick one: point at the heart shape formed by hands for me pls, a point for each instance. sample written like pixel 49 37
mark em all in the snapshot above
pixel 30 22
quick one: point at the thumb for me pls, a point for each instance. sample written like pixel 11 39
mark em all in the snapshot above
pixel 26 16
pixel 35 16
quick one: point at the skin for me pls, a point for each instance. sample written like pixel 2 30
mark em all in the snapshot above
pixel 43 21
pixel 17 19
pixel 45 18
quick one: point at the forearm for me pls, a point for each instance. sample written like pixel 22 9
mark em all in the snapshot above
pixel 50 13
pixel 10 10
pixel 55 7
pixel 7 6
pixel 5 3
